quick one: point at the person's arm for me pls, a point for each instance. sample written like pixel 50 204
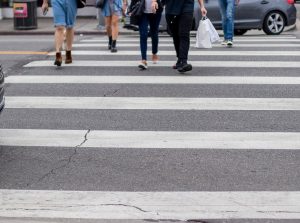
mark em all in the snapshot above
pixel 45 6
pixel 125 5
pixel 202 7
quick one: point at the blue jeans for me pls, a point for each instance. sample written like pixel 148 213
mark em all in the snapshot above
pixel 153 20
pixel 227 11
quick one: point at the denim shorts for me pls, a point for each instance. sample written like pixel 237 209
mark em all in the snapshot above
pixel 64 12
pixel 112 7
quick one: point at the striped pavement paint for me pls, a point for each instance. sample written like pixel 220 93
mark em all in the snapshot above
pixel 193 40
pixel 193 37
pixel 149 205
pixel 150 139
pixel 131 63
pixel 191 53
pixel 259 80
pixel 256 45
pixel 155 103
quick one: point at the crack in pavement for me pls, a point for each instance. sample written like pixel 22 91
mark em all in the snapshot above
pixel 68 161
pixel 126 205
pixel 111 93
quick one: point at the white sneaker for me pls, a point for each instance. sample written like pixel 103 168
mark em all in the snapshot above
pixel 229 43
pixel 224 43
pixel 143 65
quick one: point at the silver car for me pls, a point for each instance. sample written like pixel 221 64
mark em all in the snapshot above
pixel 269 15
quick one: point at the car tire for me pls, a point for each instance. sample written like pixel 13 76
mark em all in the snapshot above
pixel 274 23
pixel 240 32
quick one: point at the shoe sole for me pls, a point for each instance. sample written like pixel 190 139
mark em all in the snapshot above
pixel 142 67
pixel 185 69
pixel 58 63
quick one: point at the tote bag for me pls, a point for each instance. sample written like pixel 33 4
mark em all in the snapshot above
pixel 206 34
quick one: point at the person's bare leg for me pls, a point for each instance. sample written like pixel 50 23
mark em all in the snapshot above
pixel 108 20
pixel 59 39
pixel 115 27
pixel 115 32
pixel 69 40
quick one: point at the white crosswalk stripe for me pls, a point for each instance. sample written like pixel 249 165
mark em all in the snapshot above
pixel 249 45
pixel 150 139
pixel 156 205
pixel 152 80
pixel 192 53
pixel 150 205
pixel 144 103
pixel 130 63
pixel 193 40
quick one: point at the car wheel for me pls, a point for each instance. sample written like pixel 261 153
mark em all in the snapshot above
pixel 274 23
pixel 240 32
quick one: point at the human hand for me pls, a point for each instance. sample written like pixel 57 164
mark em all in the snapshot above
pixel 203 11
pixel 45 8
pixel 237 2
pixel 154 6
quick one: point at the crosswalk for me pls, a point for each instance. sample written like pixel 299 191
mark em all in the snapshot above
pixel 255 63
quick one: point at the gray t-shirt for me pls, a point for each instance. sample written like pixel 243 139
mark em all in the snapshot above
pixel 148 8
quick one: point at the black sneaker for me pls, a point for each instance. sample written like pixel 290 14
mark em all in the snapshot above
pixel 184 67
pixel 176 65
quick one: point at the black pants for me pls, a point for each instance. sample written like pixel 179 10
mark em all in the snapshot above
pixel 180 27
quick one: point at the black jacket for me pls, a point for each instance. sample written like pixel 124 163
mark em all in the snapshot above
pixel 142 7
pixel 177 7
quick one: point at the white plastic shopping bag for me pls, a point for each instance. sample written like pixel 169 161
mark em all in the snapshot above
pixel 206 34
pixel 203 36
pixel 214 36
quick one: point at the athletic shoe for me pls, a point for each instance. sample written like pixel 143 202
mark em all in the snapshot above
pixel 224 42
pixel 229 43
pixel 184 67
pixel 143 65
pixel 176 65
pixel 155 58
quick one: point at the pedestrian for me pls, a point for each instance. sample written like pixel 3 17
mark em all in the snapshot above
pixel 64 15
pixel 112 11
pixel 227 9
pixel 151 16
pixel 179 16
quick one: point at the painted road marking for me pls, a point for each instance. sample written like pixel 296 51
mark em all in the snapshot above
pixel 155 103
pixel 22 53
pixel 117 63
pixel 149 205
pixel 256 45
pixel 151 80
pixel 150 139
pixel 191 53
pixel 193 40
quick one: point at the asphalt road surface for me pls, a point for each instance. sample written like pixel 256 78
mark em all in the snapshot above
pixel 101 141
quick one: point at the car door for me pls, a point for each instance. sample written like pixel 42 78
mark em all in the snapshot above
pixel 213 12
pixel 248 14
